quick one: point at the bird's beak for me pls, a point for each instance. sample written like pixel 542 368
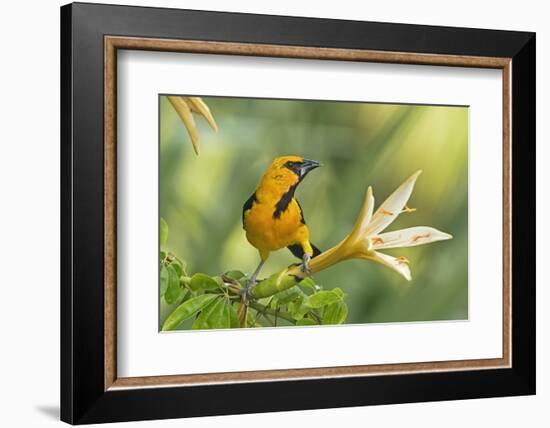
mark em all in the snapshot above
pixel 308 165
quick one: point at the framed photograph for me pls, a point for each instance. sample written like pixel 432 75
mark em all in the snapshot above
pixel 265 213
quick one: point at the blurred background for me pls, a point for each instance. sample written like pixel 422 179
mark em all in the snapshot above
pixel 359 144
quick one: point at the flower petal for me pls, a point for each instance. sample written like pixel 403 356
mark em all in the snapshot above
pixel 399 265
pixel 410 237
pixel 184 112
pixel 196 104
pixel 364 217
pixel 392 206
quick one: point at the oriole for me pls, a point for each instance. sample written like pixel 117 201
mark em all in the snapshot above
pixel 273 218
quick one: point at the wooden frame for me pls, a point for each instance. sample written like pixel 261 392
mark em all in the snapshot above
pixel 513 53
pixel 113 43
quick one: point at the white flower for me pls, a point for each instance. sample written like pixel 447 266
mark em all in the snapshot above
pixel 184 107
pixel 366 238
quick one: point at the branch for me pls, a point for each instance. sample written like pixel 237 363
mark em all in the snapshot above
pixel 264 309
pixel 278 282
pixel 363 242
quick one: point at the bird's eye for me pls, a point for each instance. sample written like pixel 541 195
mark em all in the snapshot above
pixel 293 166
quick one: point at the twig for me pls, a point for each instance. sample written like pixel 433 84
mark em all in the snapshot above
pixel 243 309
pixel 317 317
pixel 269 320
pixel 261 308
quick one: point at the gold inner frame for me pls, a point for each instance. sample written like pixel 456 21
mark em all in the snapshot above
pixel 113 43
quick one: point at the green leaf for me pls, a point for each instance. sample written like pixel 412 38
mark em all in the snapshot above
pixel 335 313
pixel 251 320
pixel 200 321
pixel 177 267
pixel 163 279
pixel 323 298
pixel 182 265
pixel 285 297
pixel 298 308
pixel 308 283
pixel 174 291
pixel 163 235
pixel 218 280
pixel 233 316
pixel 201 281
pixel 215 315
pixel 185 295
pixel 339 292
pixel 162 256
pixel 306 321
pixel 234 274
pixel 186 310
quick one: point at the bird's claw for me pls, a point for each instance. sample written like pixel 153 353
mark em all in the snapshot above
pixel 305 263
pixel 246 292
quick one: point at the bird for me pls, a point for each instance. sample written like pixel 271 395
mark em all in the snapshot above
pixel 273 218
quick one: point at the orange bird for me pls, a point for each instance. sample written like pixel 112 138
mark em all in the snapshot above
pixel 273 218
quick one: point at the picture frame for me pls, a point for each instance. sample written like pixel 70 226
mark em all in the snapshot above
pixel 91 36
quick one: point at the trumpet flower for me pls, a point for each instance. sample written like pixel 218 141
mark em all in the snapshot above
pixel 185 107
pixel 365 241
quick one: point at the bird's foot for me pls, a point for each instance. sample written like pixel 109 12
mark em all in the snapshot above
pixel 246 292
pixel 305 263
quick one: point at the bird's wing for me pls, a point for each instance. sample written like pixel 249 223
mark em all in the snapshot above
pixel 282 204
pixel 297 249
pixel 248 204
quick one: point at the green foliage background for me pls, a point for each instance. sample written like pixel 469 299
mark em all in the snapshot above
pixel 360 144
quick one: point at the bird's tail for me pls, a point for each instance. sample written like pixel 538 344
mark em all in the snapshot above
pixel 316 251
pixel 298 251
